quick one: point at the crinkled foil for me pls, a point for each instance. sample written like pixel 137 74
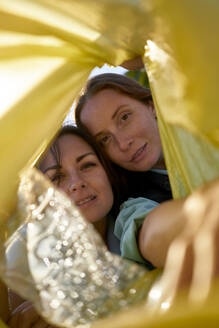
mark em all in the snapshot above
pixel 58 261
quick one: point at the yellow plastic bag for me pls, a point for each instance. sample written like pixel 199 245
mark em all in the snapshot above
pixel 182 67
pixel 48 48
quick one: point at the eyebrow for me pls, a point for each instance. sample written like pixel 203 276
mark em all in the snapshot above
pixel 79 158
pixel 54 167
pixel 112 118
pixel 117 110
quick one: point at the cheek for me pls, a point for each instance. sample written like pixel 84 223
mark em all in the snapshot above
pixel 107 190
pixel 112 151
pixel 110 197
pixel 64 189
pixel 148 129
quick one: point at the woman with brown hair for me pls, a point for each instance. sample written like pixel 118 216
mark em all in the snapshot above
pixel 120 114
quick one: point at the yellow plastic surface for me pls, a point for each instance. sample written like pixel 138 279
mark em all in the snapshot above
pixel 2 325
pixel 47 50
pixel 181 60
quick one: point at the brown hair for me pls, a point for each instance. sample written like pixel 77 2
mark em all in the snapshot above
pixel 117 82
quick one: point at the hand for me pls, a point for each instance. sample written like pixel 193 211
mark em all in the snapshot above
pixel 25 316
pixel 192 259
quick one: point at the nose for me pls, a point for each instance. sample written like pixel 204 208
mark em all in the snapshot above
pixel 75 184
pixel 124 142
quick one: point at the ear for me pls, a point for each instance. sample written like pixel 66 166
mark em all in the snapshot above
pixel 152 109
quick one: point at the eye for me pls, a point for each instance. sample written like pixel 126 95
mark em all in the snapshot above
pixel 56 179
pixel 124 117
pixel 104 140
pixel 87 165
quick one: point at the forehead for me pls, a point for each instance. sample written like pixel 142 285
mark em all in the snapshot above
pixel 73 145
pixel 105 99
pixel 70 146
pixel 99 109
pixel 47 160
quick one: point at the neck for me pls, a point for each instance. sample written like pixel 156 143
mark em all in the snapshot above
pixel 160 163
pixel 100 226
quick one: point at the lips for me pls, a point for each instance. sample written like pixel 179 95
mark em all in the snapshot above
pixel 138 153
pixel 85 201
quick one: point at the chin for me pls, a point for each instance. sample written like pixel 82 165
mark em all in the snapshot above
pixel 143 167
pixel 92 220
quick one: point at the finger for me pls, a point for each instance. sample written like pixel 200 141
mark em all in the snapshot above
pixel 204 259
pixel 164 291
pixel 24 305
pixel 216 269
pixel 203 267
pixel 18 313
pixel 24 316
pixel 40 324
pixel 186 273
pixel 13 321
pixel 28 317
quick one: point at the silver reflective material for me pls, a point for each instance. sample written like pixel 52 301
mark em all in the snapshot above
pixel 76 279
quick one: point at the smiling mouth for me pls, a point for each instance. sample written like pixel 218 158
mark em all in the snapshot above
pixel 138 153
pixel 85 201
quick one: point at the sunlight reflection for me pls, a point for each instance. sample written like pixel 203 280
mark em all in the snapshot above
pixel 155 53
pixel 16 81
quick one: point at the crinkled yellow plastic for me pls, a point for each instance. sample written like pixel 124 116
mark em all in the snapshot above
pixel 2 325
pixel 48 48
pixel 181 62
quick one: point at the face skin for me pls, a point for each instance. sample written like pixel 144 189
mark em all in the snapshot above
pixel 126 128
pixel 81 176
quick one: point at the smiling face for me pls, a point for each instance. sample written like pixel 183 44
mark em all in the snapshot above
pixel 126 128
pixel 81 176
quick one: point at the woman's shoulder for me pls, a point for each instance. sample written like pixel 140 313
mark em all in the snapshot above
pixel 131 201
